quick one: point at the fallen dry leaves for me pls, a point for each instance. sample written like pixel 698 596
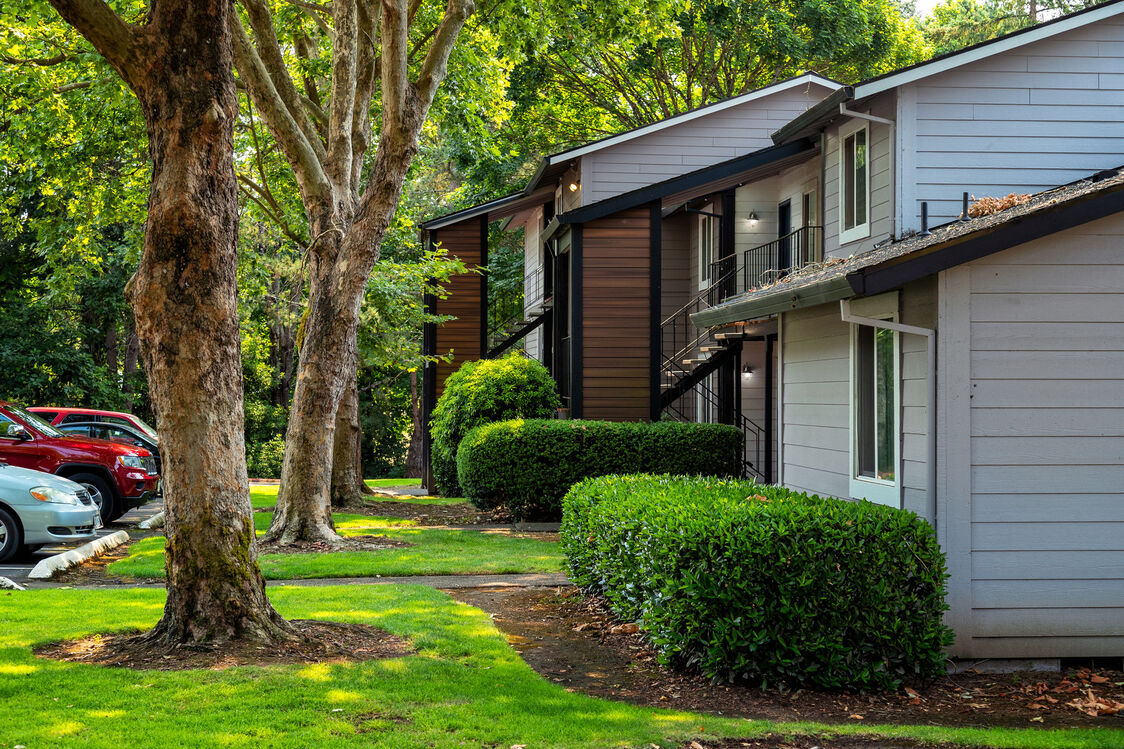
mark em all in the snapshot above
pixel 988 206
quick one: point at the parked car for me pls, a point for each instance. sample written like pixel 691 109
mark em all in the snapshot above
pixel 60 416
pixel 126 435
pixel 118 477
pixel 37 508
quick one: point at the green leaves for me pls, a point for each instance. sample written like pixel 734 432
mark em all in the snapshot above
pixel 759 583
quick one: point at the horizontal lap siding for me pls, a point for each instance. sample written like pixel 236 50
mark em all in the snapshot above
pixel 616 317
pixel 1021 121
pixel 1047 446
pixel 688 146
pixel 461 335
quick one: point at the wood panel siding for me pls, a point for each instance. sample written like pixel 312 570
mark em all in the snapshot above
pixel 461 336
pixel 685 147
pixel 1043 572
pixel 1021 121
pixel 616 319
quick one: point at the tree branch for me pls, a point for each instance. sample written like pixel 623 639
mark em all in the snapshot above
pixel 367 74
pixel 395 78
pixel 42 62
pixel 341 103
pixel 436 63
pixel 117 41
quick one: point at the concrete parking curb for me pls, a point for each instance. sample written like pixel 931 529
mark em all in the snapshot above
pixel 156 521
pixel 6 584
pixel 48 567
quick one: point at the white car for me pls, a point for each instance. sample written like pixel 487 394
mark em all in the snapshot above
pixel 39 508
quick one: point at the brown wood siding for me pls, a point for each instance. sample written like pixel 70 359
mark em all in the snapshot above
pixel 615 317
pixel 462 335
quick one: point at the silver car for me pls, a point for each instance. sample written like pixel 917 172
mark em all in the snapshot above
pixel 39 508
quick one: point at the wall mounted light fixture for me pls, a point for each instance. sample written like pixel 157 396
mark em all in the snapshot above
pixel 573 187
pixel 747 370
pixel 753 218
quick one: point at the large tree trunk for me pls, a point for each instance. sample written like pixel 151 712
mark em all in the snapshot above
pixel 348 488
pixel 184 293
pixel 415 459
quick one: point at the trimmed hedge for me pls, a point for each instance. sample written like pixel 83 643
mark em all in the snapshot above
pixel 480 392
pixel 528 466
pixel 758 583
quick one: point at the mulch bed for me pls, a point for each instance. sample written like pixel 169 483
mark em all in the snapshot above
pixel 576 642
pixel 772 741
pixel 348 543
pixel 319 642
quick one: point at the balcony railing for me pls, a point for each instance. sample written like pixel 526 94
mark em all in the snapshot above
pixel 765 264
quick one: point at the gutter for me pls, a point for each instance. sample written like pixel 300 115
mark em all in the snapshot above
pixel 782 299
pixel 814 117
pixel 931 349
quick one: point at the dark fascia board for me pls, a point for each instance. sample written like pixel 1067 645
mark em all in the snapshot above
pixel 689 181
pixel 894 273
pixel 815 117
pixel 476 210
pixel 781 300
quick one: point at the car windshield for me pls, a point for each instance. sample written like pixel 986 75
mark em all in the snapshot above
pixel 34 421
pixel 145 427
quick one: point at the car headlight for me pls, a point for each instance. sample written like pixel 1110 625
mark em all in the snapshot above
pixel 131 461
pixel 55 496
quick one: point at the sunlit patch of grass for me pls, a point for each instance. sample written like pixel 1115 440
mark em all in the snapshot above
pixel 432 551
pixel 465 688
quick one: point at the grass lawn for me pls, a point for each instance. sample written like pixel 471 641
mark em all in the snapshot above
pixel 435 552
pixel 465 688
pixel 266 496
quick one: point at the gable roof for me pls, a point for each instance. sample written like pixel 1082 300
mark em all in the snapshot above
pixel 556 164
pixel 949 245
pixel 829 107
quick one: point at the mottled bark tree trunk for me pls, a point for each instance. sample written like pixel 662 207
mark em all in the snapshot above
pixel 348 488
pixel 184 295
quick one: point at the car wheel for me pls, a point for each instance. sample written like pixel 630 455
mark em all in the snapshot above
pixel 100 493
pixel 10 537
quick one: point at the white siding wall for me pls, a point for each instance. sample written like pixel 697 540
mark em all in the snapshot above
pixel 816 398
pixel 533 279
pixel 881 166
pixel 1021 121
pixel 1043 575
pixel 685 147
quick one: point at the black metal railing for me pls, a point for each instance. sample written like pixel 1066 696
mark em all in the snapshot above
pixel 769 262
pixel 753 447
pixel 504 311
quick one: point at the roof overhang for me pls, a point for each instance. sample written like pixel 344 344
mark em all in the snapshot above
pixel 701 181
pixel 950 245
pixel 504 207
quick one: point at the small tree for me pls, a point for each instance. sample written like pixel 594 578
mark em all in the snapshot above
pixel 479 393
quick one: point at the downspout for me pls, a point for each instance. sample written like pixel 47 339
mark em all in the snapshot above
pixel 893 157
pixel 931 349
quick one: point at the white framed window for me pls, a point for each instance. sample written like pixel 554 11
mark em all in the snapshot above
pixel 708 242
pixel 704 409
pixel 809 216
pixel 876 413
pixel 854 184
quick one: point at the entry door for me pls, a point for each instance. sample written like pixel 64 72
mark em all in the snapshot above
pixel 784 228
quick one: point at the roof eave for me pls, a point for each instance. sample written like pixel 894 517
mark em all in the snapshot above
pixel 815 117
pixel 769 303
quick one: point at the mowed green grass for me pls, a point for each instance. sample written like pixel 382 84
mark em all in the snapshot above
pixel 266 496
pixel 465 687
pixel 433 552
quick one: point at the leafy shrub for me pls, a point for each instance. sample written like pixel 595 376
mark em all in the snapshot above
pixel 747 582
pixel 481 392
pixel 528 466
pixel 263 460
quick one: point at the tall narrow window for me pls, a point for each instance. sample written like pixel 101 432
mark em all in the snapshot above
pixel 876 430
pixel 854 193
pixel 707 241
pixel 809 213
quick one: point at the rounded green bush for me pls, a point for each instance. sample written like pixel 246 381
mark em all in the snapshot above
pixel 527 466
pixel 758 583
pixel 481 392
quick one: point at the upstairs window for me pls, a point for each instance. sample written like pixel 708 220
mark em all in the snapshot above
pixel 708 240
pixel 854 186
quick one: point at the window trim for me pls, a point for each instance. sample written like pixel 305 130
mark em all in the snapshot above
pixel 704 268
pixel 875 490
pixel 859 231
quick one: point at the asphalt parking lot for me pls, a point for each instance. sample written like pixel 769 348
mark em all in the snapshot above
pixel 16 569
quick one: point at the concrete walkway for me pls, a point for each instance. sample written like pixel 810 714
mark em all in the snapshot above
pixel 444 582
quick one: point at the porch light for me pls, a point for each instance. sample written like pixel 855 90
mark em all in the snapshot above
pixel 747 370
pixel 573 187
pixel 753 218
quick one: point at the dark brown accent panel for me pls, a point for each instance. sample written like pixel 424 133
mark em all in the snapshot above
pixel 463 335
pixel 616 276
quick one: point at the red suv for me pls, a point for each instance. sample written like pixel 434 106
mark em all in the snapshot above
pixel 118 477
pixel 59 416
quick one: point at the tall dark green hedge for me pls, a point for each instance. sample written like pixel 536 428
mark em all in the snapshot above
pixel 757 583
pixel 481 392
pixel 528 466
